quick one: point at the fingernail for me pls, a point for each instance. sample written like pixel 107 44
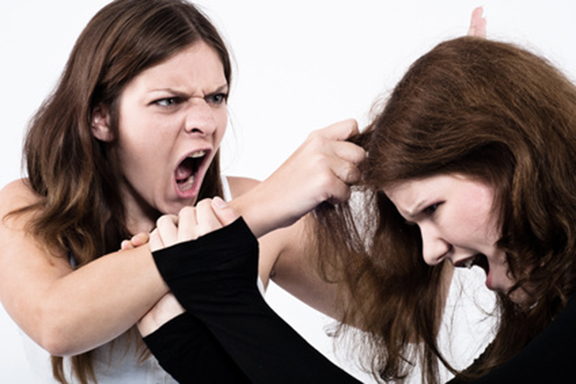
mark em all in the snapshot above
pixel 219 203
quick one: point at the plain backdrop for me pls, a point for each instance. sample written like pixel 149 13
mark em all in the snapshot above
pixel 299 65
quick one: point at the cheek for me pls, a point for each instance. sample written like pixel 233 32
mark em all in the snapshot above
pixel 222 123
pixel 482 223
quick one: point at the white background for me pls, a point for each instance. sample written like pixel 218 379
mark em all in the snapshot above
pixel 300 65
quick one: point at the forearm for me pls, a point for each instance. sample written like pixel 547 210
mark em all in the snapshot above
pixel 214 278
pixel 260 210
pixel 88 307
pixel 187 350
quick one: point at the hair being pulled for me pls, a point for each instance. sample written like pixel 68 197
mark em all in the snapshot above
pixel 489 111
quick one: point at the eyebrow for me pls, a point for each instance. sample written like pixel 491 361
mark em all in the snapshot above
pixel 415 211
pixel 222 88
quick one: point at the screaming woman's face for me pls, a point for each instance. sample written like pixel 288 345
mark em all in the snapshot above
pixel 172 120
pixel 457 221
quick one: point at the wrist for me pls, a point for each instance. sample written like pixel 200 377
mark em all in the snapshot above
pixel 252 207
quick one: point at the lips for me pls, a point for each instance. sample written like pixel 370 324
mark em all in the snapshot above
pixel 188 171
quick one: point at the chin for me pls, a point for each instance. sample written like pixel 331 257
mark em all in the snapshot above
pixel 176 207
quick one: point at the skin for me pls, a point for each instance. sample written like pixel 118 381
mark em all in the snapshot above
pixel 477 23
pixel 167 112
pixel 69 311
pixel 290 271
pixel 457 221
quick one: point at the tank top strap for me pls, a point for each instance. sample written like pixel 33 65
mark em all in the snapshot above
pixel 225 188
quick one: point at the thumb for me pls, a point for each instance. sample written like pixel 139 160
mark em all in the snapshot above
pixel 225 213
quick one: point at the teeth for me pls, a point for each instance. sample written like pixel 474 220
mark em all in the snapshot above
pixel 468 263
pixel 187 184
pixel 197 154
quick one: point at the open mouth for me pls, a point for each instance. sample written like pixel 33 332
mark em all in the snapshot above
pixel 479 260
pixel 187 170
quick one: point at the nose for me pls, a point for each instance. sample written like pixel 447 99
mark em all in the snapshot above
pixel 200 118
pixel 434 248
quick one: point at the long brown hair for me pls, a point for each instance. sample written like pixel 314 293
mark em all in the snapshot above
pixel 80 210
pixel 490 111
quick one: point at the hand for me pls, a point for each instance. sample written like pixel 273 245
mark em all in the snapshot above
pixel 322 169
pixel 192 222
pixel 477 23
pixel 136 241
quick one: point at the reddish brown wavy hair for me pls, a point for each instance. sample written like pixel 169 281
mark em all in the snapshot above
pixel 490 111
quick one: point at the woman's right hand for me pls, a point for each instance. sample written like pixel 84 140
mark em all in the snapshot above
pixel 322 169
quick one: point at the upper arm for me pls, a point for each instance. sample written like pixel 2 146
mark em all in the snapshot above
pixel 27 268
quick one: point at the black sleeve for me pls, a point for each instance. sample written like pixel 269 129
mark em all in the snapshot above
pixel 187 350
pixel 549 358
pixel 214 278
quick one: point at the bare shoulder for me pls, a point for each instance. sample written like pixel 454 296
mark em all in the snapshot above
pixel 241 185
pixel 15 195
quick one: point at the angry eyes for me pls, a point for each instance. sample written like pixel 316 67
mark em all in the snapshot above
pixel 215 99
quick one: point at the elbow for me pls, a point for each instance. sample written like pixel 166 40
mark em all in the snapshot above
pixel 55 342
pixel 55 335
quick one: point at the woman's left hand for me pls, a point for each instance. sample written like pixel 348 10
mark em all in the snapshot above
pixel 191 223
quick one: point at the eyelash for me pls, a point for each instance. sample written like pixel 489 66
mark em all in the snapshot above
pixel 216 99
pixel 431 209
pixel 168 101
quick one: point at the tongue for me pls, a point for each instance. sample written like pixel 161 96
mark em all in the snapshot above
pixel 184 170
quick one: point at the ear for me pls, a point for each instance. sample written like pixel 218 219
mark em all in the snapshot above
pixel 100 124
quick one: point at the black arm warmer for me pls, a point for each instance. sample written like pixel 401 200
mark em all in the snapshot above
pixel 187 350
pixel 214 278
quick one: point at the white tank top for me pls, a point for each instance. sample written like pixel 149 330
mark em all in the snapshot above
pixel 115 362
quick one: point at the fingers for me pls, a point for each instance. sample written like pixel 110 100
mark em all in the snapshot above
pixel 192 222
pixel 339 192
pixel 342 158
pixel 126 245
pixel 349 152
pixel 345 171
pixel 477 23
pixel 166 227
pixel 136 241
pixel 187 224
pixel 342 130
pixel 225 213
pixel 156 241
pixel 207 219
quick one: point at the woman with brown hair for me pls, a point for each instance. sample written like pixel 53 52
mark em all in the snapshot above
pixel 132 132
pixel 470 163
